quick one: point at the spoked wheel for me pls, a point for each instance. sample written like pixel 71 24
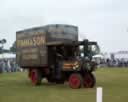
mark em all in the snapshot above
pixel 89 80
pixel 35 76
pixel 75 81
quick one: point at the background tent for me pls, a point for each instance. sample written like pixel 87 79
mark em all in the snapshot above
pixel 98 56
pixel 7 55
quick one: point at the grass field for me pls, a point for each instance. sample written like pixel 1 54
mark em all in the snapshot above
pixel 16 87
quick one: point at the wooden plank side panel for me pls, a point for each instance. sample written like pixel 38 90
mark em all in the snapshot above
pixel 61 32
pixel 31 49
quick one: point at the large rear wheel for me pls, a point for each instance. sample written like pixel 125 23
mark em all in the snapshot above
pixel 35 76
pixel 89 80
pixel 75 81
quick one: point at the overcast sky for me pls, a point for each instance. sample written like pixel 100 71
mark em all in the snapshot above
pixel 105 21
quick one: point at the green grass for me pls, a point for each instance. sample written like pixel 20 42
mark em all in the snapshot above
pixel 16 87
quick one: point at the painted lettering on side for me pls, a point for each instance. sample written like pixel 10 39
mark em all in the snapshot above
pixel 33 41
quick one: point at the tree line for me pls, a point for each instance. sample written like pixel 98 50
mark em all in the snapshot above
pixel 11 49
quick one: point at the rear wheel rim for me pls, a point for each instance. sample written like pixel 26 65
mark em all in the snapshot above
pixel 34 77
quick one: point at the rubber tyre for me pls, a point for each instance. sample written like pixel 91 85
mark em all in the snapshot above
pixel 35 76
pixel 75 81
pixel 89 80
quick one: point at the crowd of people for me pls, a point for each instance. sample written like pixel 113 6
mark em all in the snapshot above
pixel 8 65
pixel 113 62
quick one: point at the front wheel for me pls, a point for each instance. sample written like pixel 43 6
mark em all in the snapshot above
pixel 75 81
pixel 89 80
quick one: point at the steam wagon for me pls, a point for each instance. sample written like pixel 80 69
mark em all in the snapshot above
pixel 54 52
